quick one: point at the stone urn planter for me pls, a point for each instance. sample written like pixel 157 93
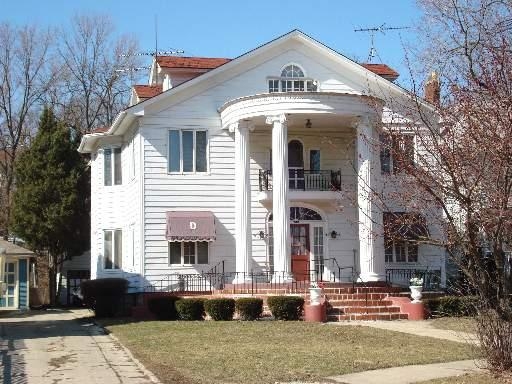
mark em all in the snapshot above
pixel 314 295
pixel 416 293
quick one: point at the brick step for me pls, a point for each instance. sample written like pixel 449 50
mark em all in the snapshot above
pixel 357 296
pixel 341 290
pixel 366 317
pixel 370 310
pixel 359 303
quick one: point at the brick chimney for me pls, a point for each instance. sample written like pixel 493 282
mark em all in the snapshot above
pixel 433 89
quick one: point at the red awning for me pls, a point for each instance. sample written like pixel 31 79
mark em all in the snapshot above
pixel 190 226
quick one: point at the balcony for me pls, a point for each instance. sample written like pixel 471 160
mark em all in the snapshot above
pixel 304 184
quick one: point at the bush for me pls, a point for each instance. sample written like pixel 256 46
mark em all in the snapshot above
pixel 105 296
pixel 452 306
pixel 494 331
pixel 286 307
pixel 190 309
pixel 249 308
pixel 163 307
pixel 220 309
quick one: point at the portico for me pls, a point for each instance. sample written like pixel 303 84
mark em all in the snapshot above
pixel 249 114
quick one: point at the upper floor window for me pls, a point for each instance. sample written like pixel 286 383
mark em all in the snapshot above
pixel 187 151
pixel 292 79
pixel 396 153
pixel 112 174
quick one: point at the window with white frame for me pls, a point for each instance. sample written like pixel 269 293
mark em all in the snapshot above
pixel 396 153
pixel 112 173
pixel 314 160
pixel 188 252
pixel 292 79
pixel 187 151
pixel 401 251
pixel 112 248
pixel 402 231
pixel 318 249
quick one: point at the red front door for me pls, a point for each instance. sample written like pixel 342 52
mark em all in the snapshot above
pixel 300 251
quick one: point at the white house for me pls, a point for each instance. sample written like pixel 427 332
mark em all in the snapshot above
pixel 264 163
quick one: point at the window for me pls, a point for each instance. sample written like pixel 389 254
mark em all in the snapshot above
pixel 112 174
pixel 396 153
pixel 113 249
pixel 318 249
pixel 314 160
pixel 188 252
pixel 292 79
pixel 187 151
pixel 401 251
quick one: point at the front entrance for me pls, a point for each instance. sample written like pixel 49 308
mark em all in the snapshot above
pixel 9 298
pixel 299 234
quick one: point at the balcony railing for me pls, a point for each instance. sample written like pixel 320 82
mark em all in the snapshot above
pixel 300 179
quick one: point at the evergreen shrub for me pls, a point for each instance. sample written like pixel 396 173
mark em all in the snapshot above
pixel 286 307
pixel 163 307
pixel 105 296
pixel 220 309
pixel 249 308
pixel 190 309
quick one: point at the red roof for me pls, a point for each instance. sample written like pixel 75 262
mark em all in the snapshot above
pixel 147 91
pixel 190 62
pixel 382 70
pixel 100 130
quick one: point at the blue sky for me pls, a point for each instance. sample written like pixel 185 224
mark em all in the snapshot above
pixel 230 28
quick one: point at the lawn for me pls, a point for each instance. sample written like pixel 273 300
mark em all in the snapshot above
pixel 270 351
pixel 459 324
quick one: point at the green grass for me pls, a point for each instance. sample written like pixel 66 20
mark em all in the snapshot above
pixel 459 324
pixel 474 378
pixel 270 351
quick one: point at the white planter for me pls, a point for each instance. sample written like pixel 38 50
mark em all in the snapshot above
pixel 314 295
pixel 416 293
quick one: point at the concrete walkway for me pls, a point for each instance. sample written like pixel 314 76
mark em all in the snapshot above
pixel 53 347
pixel 412 373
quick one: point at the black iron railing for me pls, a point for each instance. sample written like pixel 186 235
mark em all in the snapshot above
pixel 402 276
pixel 304 180
pixel 244 282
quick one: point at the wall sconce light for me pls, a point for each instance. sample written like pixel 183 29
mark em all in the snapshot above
pixel 334 234
pixel 261 234
pixel 308 124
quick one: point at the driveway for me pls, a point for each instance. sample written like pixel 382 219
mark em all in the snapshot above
pixel 55 347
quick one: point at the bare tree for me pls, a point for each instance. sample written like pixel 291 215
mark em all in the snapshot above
pixel 92 92
pixel 26 74
pixel 463 164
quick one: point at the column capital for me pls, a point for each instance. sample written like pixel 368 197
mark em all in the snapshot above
pixel 241 125
pixel 271 119
pixel 233 127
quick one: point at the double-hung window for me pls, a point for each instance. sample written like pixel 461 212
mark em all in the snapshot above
pixel 187 151
pixel 401 251
pixel 112 249
pixel 396 153
pixel 112 174
pixel 188 252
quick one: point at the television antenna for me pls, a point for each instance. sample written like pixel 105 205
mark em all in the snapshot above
pixel 372 31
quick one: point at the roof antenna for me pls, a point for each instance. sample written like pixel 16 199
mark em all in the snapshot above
pixel 372 30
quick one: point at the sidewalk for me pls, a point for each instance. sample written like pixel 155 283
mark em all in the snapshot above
pixel 412 373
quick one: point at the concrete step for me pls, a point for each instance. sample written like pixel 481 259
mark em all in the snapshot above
pixel 367 316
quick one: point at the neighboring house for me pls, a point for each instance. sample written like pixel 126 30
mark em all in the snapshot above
pixel 263 163
pixel 15 272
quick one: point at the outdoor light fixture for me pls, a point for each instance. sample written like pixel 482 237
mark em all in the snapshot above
pixel 308 124
pixel 261 234
pixel 334 234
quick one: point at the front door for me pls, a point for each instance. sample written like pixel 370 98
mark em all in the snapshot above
pixel 300 251
pixel 8 298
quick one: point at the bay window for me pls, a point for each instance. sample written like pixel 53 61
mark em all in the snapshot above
pixel 112 174
pixel 112 249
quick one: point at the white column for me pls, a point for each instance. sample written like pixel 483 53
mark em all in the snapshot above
pixel 280 206
pixel 242 201
pixel 371 241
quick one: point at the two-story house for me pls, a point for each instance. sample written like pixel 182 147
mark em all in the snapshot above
pixel 265 163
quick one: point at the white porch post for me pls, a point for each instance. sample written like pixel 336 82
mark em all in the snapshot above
pixel 242 201
pixel 280 206
pixel 371 241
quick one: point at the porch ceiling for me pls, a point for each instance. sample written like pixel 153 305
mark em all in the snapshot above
pixel 322 108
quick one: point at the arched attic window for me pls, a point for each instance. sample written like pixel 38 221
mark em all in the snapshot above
pixel 292 79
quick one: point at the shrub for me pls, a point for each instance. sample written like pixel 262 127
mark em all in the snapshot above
pixel 451 306
pixel 494 331
pixel 163 307
pixel 190 309
pixel 249 308
pixel 286 307
pixel 220 309
pixel 104 296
